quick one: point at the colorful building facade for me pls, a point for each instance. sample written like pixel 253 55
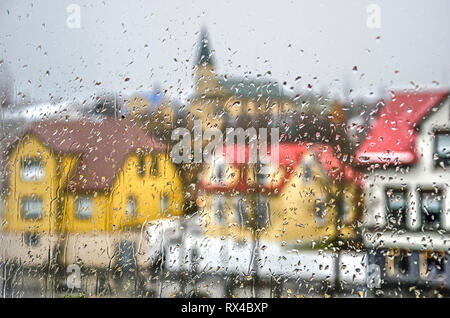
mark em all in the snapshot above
pixel 77 189
pixel 311 197
pixel 406 157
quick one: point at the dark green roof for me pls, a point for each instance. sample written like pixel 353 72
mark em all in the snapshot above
pixel 204 54
pixel 246 87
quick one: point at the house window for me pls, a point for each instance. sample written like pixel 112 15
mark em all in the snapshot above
pixel 242 211
pixel 219 209
pixel 130 209
pixel 320 212
pixel 442 148
pixel 32 169
pixel 31 239
pixel 396 204
pixel 307 173
pixel 398 262
pixel 218 171
pixel 164 203
pixel 141 165
pixel 32 208
pixel 126 255
pixel 344 208
pixel 262 212
pixel 431 209
pixel 154 170
pixel 84 207
pixel 262 175
pixel 432 264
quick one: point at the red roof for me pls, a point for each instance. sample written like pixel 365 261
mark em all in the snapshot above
pixel 290 156
pixel 102 146
pixel 392 139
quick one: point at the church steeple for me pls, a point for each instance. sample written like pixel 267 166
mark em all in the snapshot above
pixel 204 53
pixel 205 74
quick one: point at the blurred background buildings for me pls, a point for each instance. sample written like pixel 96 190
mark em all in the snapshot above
pixel 86 134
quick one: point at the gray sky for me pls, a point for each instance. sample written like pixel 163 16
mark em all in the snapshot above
pixel 155 42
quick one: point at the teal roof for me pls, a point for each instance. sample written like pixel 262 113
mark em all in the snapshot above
pixel 247 87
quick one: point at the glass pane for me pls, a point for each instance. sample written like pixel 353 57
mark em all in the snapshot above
pixel 219 209
pixel 130 209
pixel 32 208
pixel 84 207
pixel 32 170
pixel 397 207
pixel 432 208
pixel 442 148
pixel 242 211
pixel 238 149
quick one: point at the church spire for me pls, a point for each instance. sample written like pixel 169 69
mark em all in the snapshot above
pixel 204 54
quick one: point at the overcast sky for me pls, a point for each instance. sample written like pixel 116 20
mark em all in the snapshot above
pixel 130 46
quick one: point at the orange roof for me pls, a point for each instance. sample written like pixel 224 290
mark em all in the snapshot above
pixel 102 146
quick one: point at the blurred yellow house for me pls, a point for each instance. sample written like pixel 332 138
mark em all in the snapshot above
pixel 78 190
pixel 311 197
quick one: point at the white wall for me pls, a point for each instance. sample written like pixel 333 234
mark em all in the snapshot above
pixel 422 175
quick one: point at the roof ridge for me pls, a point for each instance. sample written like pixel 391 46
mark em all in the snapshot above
pixel 104 147
pixel 392 139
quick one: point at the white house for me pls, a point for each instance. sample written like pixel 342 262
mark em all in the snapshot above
pixel 407 160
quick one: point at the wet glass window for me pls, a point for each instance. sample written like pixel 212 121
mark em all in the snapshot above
pixel 436 264
pixel 262 173
pixel 32 170
pixel 154 169
pixel 126 255
pixel 164 202
pixel 84 206
pixel 262 215
pixel 31 208
pixel 130 209
pixel 344 209
pixel 166 149
pixel 219 209
pixel 141 165
pixel 433 265
pixel 398 262
pixel 442 148
pixel 320 212
pixel 397 207
pixel 242 211
pixel 431 208
pixel 219 169
pixel 31 239
pixel 307 173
